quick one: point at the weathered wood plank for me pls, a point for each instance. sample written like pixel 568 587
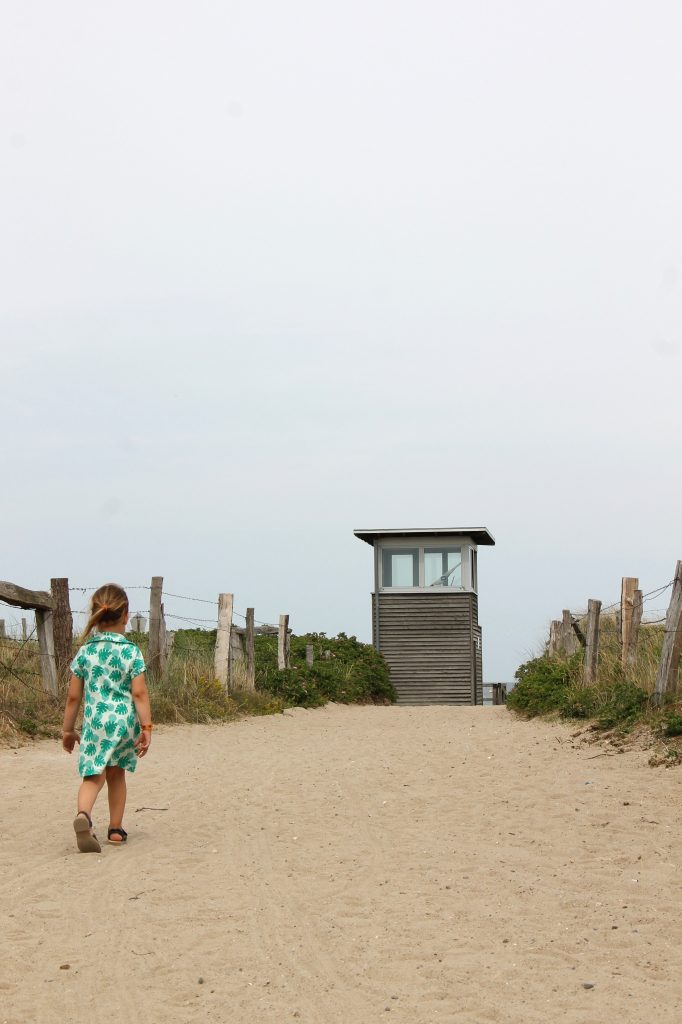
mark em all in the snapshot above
pixel 669 665
pixel 3 634
pixel 154 649
pixel 249 640
pixel 555 638
pixel 221 660
pixel 163 641
pixel 569 640
pixel 579 633
pixel 48 667
pixel 592 646
pixel 20 597
pixel 636 622
pixel 629 585
pixel 62 626
pixel 283 642
pixel 309 655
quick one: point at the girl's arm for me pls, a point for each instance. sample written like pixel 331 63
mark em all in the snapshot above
pixel 140 695
pixel 73 702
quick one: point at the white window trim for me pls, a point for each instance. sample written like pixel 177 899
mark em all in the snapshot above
pixel 420 542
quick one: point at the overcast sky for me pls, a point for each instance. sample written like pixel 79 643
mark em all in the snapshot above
pixel 270 271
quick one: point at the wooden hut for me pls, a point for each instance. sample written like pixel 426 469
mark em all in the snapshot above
pixel 425 612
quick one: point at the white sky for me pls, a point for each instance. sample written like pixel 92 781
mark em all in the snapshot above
pixel 272 271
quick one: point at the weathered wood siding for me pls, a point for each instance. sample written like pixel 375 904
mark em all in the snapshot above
pixel 428 642
pixel 478 662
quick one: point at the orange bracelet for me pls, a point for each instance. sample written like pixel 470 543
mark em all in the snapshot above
pixel 145 727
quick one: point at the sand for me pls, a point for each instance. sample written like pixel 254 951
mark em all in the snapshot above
pixel 344 864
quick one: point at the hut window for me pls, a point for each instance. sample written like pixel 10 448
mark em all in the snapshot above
pixel 400 567
pixel 443 567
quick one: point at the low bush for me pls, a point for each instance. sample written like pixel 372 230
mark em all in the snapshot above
pixel 344 670
pixel 547 685
pixel 672 725
pixel 540 688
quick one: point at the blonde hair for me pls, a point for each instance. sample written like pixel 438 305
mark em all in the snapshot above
pixel 108 604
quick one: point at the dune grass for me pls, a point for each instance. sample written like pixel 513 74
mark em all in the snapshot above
pixel 345 671
pixel 621 699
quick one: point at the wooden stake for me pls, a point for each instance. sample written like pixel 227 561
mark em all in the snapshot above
pixel 669 665
pixel 163 643
pixel 309 655
pixel 155 614
pixel 592 648
pixel 24 630
pixel 223 641
pixel 250 651
pixel 62 626
pixel 569 641
pixel 283 642
pixel 580 636
pixel 48 666
pixel 629 585
pixel 555 631
pixel 637 609
pixel 3 634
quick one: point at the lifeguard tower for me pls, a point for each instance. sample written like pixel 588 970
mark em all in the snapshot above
pixel 425 612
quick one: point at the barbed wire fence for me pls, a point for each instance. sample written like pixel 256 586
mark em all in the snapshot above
pixel 634 635
pixel 47 623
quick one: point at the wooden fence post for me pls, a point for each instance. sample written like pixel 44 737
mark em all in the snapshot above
pixel 283 642
pixel 24 630
pixel 48 666
pixel 223 640
pixel 62 626
pixel 163 642
pixel 555 628
pixel 629 585
pixel 309 655
pixel 250 643
pixel 155 615
pixel 592 642
pixel 637 609
pixel 669 665
pixel 2 629
pixel 569 640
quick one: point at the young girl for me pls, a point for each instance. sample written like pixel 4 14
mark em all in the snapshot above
pixel 116 718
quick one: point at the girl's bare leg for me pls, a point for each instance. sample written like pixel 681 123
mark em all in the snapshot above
pixel 88 792
pixel 117 792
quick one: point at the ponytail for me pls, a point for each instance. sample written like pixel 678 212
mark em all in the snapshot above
pixel 109 604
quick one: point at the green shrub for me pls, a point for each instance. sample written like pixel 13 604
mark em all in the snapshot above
pixel 344 670
pixel 541 686
pixel 547 685
pixel 672 725
pixel 619 705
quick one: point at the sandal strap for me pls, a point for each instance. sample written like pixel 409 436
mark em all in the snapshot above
pixel 117 832
pixel 87 816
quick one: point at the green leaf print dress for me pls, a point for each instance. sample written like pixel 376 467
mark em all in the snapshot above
pixel 107 663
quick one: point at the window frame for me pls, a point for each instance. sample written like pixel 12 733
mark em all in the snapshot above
pixel 390 550
pixel 469 554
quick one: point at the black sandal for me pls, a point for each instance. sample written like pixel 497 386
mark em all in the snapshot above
pixel 117 832
pixel 85 837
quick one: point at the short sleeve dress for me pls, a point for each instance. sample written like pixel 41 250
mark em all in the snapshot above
pixel 107 663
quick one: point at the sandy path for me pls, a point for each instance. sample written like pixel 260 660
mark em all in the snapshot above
pixel 336 865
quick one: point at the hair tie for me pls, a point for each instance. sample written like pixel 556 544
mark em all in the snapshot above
pixel 104 608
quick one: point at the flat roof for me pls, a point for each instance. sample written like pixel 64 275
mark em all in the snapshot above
pixel 479 534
